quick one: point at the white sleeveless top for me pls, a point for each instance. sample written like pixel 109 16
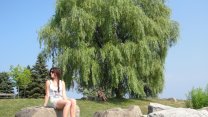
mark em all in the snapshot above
pixel 53 90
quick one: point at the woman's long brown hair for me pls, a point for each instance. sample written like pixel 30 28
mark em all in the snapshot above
pixel 56 71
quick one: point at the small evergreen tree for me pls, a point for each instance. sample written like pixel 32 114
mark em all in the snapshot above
pixel 6 84
pixel 39 75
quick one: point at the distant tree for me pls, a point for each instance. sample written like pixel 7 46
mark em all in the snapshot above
pixel 28 67
pixel 36 88
pixel 22 76
pixel 120 45
pixel 6 83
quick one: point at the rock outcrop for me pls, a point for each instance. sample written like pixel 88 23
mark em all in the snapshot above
pixel 159 110
pixel 39 111
pixel 132 111
pixel 179 112
pixel 153 107
pixel 154 110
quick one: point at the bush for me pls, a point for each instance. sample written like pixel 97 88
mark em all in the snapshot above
pixel 197 98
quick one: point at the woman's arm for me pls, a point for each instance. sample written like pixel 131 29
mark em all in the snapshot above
pixel 46 93
pixel 64 90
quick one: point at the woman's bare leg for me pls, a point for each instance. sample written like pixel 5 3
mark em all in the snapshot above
pixel 65 105
pixel 73 107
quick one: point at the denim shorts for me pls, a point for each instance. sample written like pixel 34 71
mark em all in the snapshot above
pixel 53 101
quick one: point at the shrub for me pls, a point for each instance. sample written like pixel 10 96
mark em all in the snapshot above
pixel 197 98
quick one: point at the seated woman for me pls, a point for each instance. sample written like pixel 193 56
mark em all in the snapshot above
pixel 56 94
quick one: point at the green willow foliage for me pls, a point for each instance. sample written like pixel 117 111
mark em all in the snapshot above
pixel 120 45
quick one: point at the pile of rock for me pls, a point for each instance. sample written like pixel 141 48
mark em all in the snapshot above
pixel 154 110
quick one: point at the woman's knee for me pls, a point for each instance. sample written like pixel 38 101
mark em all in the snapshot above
pixel 73 101
pixel 68 103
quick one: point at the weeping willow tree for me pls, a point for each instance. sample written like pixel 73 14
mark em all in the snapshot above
pixel 119 45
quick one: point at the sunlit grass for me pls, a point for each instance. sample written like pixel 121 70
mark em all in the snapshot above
pixel 8 107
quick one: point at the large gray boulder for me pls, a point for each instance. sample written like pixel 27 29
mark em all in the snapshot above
pixel 159 110
pixel 38 111
pixel 179 112
pixel 132 111
pixel 153 107
pixel 204 108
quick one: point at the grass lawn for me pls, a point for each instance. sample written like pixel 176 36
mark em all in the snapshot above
pixel 8 107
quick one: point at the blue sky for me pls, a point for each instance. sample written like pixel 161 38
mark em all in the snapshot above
pixel 186 62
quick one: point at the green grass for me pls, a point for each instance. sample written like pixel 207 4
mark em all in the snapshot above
pixel 8 107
